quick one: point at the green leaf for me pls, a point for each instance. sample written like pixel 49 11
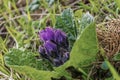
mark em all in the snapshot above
pixel 113 71
pixel 85 48
pixel 20 58
pixel 33 73
pixel 25 62
pixel 78 13
pixel 26 58
pixel 66 22
pixel 85 21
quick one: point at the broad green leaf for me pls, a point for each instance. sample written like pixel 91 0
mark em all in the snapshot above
pixel 26 58
pixel 116 76
pixel 20 58
pixel 85 21
pixel 85 48
pixel 33 73
pixel 66 22
pixel 25 62
pixel 68 18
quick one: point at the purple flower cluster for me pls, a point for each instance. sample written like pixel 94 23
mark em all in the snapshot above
pixel 55 46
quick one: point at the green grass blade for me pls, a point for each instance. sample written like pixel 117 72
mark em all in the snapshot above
pixel 113 71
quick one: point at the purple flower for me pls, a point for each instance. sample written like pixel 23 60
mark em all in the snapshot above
pixel 47 34
pixel 55 46
pixel 61 38
pixel 50 47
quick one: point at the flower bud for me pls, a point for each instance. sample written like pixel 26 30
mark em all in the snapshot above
pixel 51 48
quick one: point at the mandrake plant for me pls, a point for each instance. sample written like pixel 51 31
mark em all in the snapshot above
pixel 77 63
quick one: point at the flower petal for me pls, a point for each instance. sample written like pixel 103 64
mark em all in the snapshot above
pixel 61 38
pixel 50 47
pixel 47 34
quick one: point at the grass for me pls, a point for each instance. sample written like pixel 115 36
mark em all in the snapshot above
pixel 19 26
